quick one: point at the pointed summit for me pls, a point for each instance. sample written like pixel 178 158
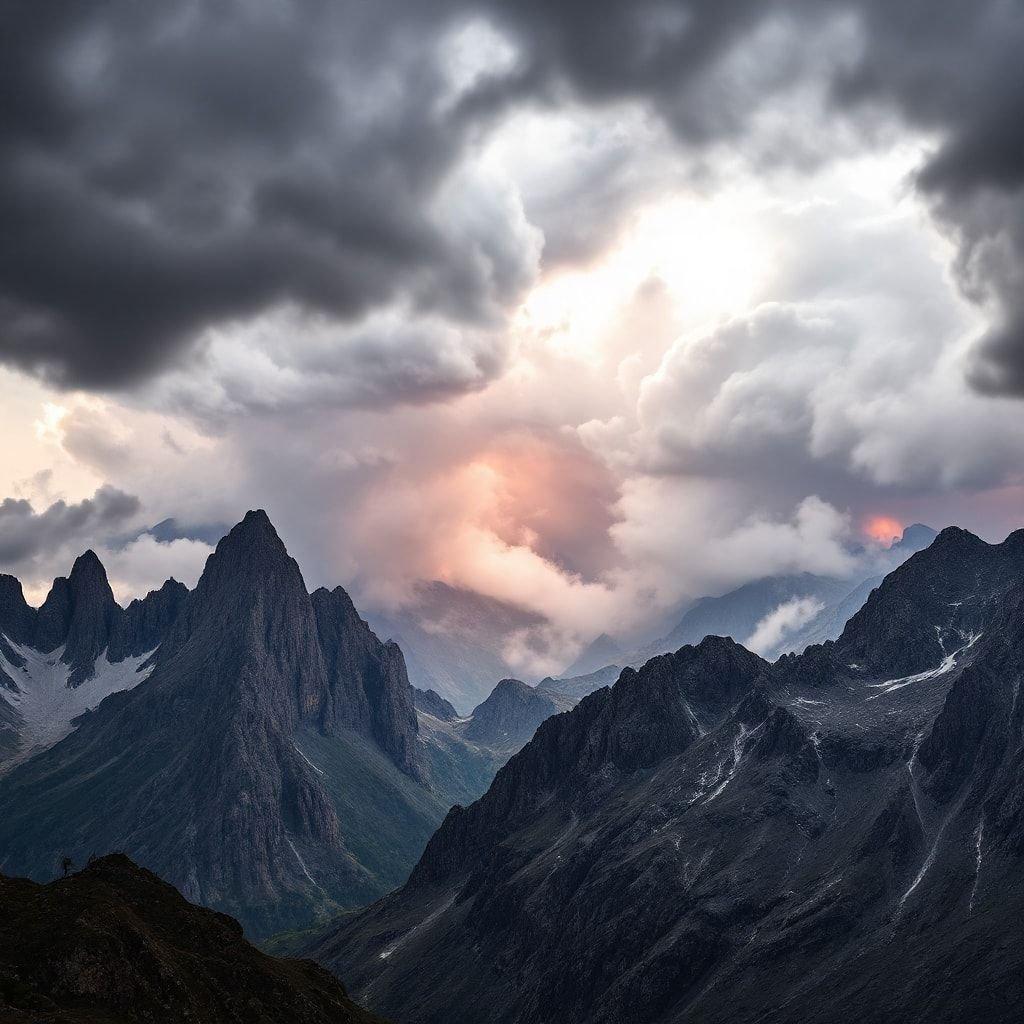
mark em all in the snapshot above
pixel 87 567
pixel 79 613
pixel 255 524
pixel 94 614
pixel 250 621
pixel 16 617
pixel 250 554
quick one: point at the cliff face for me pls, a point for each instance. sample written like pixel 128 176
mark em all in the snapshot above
pixel 196 772
pixel 17 618
pixel 368 687
pixel 143 625
pixel 837 836
pixel 115 943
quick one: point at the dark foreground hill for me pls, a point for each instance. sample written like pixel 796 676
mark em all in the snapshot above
pixel 116 945
pixel 835 837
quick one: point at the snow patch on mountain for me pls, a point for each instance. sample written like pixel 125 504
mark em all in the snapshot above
pixel 45 702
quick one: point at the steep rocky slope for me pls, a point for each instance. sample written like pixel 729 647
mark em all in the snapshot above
pixel 115 944
pixel 837 836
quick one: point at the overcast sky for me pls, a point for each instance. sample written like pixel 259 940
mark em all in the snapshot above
pixel 588 306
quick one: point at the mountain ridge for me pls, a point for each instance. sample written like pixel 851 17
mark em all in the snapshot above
pixel 785 850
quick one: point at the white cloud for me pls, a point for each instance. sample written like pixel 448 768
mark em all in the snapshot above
pixel 780 623
pixel 144 564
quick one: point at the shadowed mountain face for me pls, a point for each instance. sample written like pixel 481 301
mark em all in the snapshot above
pixel 115 944
pixel 432 703
pixel 270 765
pixel 599 653
pixel 837 836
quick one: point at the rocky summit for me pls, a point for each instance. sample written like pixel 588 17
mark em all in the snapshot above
pixel 836 836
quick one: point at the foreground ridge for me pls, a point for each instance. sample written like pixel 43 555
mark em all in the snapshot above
pixel 115 943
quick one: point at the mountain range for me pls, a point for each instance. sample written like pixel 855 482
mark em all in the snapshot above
pixel 822 607
pixel 835 836
pixel 254 744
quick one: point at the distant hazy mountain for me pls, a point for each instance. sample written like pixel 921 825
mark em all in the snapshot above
pixel 836 836
pixel 829 623
pixel 599 653
pixel 453 640
pixel 267 758
pixel 738 613
pixel 825 605
pixel 507 720
pixel 578 687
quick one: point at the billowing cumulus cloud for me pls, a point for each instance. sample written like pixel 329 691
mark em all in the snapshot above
pixel 781 622
pixel 165 172
pixel 29 537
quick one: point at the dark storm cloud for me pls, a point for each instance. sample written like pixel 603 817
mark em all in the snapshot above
pixel 956 69
pixel 165 168
pixel 25 533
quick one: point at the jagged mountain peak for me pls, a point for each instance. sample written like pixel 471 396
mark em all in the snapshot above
pixel 254 538
pixel 249 572
pixel 87 566
pixel 931 604
pixel 79 612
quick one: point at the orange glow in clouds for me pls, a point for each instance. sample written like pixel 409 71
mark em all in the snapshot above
pixel 883 529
